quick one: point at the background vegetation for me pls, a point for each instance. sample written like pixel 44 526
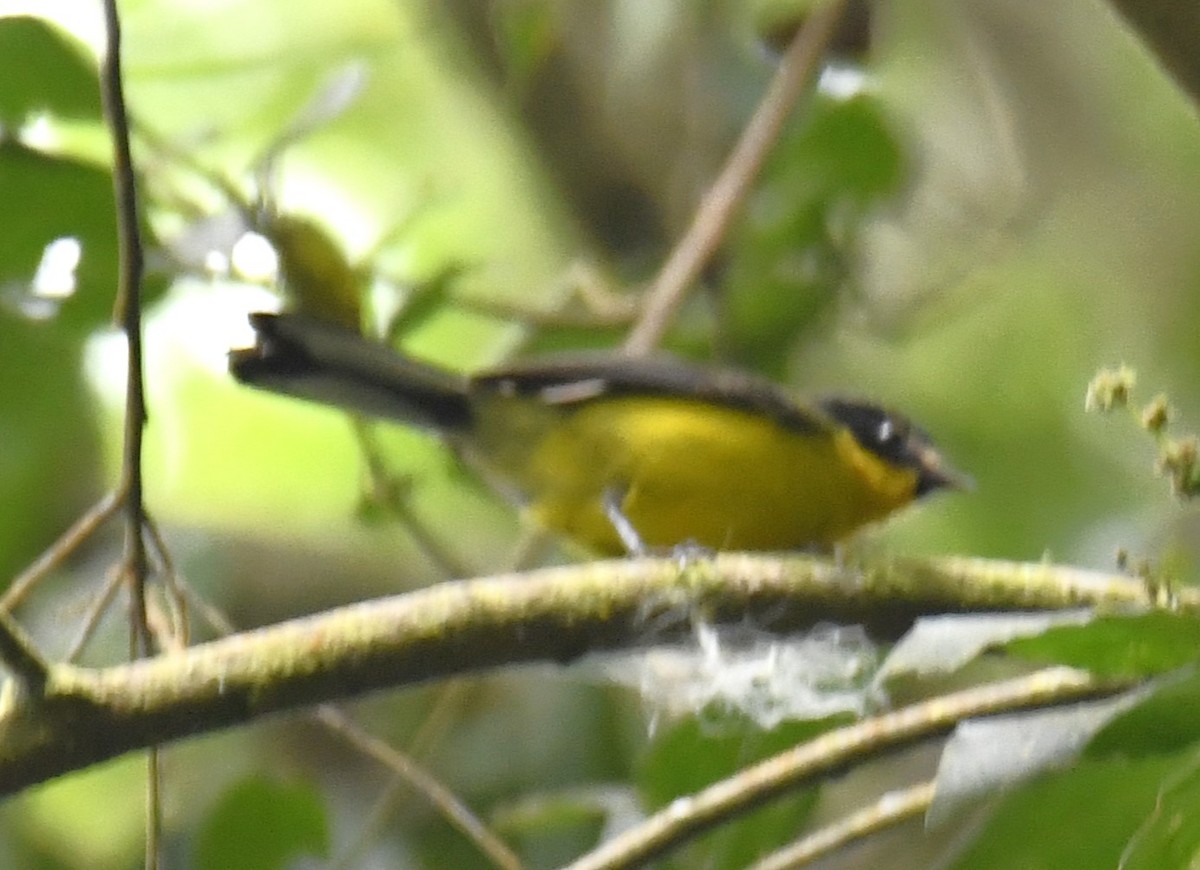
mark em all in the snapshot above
pixel 1005 203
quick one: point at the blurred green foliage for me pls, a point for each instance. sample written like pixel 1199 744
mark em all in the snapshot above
pixel 792 253
pixel 1007 206
pixel 232 834
pixel 1117 646
pixel 690 755
pixel 1059 822
pixel 44 71
pixel 1165 722
pixel 1169 837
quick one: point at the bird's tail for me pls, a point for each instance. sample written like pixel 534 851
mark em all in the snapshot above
pixel 313 360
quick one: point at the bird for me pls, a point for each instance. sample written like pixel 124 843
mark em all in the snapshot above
pixel 620 453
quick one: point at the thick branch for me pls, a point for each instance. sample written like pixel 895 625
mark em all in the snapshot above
pixel 558 614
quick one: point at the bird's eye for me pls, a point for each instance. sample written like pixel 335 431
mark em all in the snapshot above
pixel 887 431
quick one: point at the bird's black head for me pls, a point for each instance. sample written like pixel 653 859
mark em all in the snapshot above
pixel 894 438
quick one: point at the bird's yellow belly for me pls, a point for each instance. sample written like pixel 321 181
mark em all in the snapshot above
pixel 689 471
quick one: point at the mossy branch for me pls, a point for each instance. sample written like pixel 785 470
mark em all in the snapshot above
pixel 84 716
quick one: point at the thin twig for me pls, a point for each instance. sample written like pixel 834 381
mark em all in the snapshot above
pixel 437 723
pixel 177 602
pixel 457 813
pixel 890 810
pixel 403 765
pixel 95 612
pixel 222 184
pixel 214 616
pixel 687 817
pixel 56 553
pixel 153 851
pixel 724 199
pixel 128 314
pixel 392 492
pixel 19 653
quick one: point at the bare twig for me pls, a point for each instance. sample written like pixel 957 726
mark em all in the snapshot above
pixel 687 817
pixel 403 765
pixel 95 612
pixel 724 199
pixel 172 584
pixel 153 850
pixel 437 723
pixel 128 314
pixel 56 553
pixel 890 810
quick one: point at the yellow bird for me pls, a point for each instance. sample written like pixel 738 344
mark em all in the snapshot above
pixel 617 452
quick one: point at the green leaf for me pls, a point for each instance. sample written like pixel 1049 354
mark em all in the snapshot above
pixel 1167 721
pixel 993 754
pixel 714 751
pixel 44 71
pixel 695 753
pixel 1083 818
pixel 260 824
pixel 51 448
pixel 59 198
pixel 1115 646
pixel 551 828
pixel 939 645
pixel 790 255
pixel 1170 836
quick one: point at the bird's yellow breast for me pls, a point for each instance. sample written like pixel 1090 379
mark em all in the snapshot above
pixel 687 470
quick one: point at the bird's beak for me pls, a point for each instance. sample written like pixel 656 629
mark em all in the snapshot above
pixel 937 474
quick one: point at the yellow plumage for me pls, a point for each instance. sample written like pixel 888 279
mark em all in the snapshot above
pixel 691 471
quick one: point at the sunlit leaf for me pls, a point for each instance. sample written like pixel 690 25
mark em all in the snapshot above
pixel 75 823
pixel 60 198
